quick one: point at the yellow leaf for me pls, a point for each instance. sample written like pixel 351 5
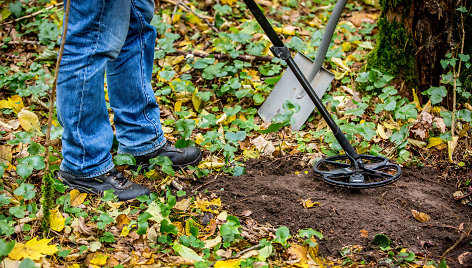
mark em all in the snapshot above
pixel 125 231
pixel 434 142
pixel 177 16
pixel 339 62
pixel 75 265
pixel 33 249
pixel 28 120
pixel 420 216
pixel 99 259
pixel 451 145
pixel 14 102
pixel 381 132
pixel 77 198
pixel 199 138
pixel 211 164
pixel 228 264
pixel 389 126
pixel 196 101
pixel 57 221
pixel 346 46
pixel 289 30
pixel 416 100
pixel 205 205
pixel 177 106
pixel 309 204
pixel 228 2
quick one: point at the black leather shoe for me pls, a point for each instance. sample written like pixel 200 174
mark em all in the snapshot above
pixel 123 188
pixel 188 156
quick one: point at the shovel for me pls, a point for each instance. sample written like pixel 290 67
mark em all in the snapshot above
pixel 350 170
pixel 289 88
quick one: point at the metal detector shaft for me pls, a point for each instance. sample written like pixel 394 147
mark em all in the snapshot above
pixel 281 51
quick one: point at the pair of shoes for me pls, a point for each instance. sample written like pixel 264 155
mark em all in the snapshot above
pixel 123 188
pixel 188 156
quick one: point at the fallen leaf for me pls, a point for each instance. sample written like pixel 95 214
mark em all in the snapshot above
pixel 211 243
pixel 6 154
pixel 309 204
pixel 299 253
pixel 28 120
pixel 77 198
pixel 57 221
pixel 364 233
pixel 451 145
pixel 420 216
pixel 122 220
pixel 433 141
pixel 33 249
pixel 14 102
pixel 381 132
pixel 183 204
pixel 339 62
pixel 235 263
pixel 99 259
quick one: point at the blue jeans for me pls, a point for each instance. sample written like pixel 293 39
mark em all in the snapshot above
pixel 112 36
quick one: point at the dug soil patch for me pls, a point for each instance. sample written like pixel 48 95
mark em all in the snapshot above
pixel 272 192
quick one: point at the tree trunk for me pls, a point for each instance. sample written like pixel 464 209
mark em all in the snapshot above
pixel 415 35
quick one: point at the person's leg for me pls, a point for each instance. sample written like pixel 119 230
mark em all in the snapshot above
pixel 96 34
pixel 137 115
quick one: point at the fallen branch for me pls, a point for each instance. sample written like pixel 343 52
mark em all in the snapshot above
pixel 220 56
pixel 33 14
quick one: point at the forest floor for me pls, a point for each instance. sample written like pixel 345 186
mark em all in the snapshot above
pixel 273 191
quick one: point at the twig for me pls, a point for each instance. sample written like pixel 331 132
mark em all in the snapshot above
pixel 179 3
pixel 464 235
pixel 33 14
pixel 52 93
pixel 220 56
pixel 456 76
pixel 208 182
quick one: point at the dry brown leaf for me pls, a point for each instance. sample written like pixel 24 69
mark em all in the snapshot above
pixel 420 216
pixel 122 220
pixel 364 233
pixel 5 153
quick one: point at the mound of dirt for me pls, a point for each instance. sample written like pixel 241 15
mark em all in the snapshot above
pixel 274 190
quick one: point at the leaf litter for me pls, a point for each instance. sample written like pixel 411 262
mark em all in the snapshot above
pixel 208 98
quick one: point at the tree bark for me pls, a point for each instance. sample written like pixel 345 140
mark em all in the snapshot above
pixel 415 35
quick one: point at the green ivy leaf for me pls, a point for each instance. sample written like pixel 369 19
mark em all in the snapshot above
pixel 25 190
pixel 186 252
pixel 6 247
pixel 185 126
pixel 124 159
pixel 18 212
pixel 283 234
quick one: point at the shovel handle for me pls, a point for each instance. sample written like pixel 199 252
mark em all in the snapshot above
pixel 327 36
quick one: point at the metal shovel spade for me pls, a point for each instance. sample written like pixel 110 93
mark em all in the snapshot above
pixel 289 88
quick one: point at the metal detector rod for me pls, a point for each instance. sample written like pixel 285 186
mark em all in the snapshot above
pixel 281 51
pixel 327 37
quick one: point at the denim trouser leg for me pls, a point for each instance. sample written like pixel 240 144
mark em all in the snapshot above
pixel 138 128
pixel 98 30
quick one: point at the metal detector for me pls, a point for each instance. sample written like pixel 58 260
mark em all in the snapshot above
pixel 350 170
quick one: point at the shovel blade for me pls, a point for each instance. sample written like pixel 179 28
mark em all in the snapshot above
pixel 288 88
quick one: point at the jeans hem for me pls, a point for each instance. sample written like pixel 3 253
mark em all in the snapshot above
pixel 82 176
pixel 144 150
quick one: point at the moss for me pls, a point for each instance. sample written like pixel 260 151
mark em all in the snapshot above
pixel 394 51
pixel 395 4
pixel 47 201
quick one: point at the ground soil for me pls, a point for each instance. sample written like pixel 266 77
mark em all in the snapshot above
pixel 273 191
